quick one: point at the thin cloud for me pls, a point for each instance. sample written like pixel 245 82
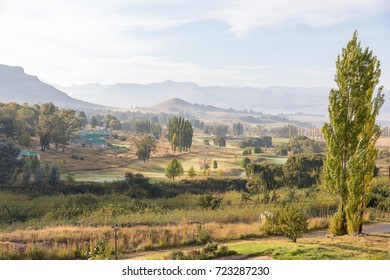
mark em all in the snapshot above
pixel 68 42
pixel 245 16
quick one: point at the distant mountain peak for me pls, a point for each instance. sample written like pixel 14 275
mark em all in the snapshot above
pixel 173 103
pixel 17 86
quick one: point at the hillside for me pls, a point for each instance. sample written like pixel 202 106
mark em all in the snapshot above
pixel 173 104
pixel 17 86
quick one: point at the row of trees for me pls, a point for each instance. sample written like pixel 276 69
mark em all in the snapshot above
pixel 300 145
pixel 238 129
pixel 216 129
pixel 144 126
pixel 50 124
pixel 180 134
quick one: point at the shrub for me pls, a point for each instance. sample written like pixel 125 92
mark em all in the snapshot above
pixel 210 201
pixel 291 221
pixel 176 255
pixel 24 139
pixel 210 251
pixel 257 150
pixel 335 224
pixel 245 162
pixel 247 151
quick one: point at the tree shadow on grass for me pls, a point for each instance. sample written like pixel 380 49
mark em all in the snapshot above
pixel 350 248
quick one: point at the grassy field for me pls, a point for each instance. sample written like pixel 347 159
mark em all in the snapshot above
pixel 112 164
pixel 375 246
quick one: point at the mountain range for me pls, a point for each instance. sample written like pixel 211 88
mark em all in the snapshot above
pixel 17 86
pixel 312 100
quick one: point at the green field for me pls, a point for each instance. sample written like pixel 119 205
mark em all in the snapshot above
pixel 229 163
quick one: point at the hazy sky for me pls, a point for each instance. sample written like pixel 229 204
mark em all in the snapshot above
pixel 215 42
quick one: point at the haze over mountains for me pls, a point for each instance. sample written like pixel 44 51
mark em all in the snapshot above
pixel 269 100
pixel 17 86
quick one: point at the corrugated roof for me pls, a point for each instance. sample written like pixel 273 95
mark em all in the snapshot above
pixel 24 152
pixel 95 141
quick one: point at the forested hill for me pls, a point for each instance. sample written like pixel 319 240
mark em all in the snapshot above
pixel 17 86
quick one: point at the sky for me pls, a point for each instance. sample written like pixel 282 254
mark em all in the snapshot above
pixel 219 42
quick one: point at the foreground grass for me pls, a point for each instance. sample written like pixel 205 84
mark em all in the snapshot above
pixel 157 242
pixel 376 246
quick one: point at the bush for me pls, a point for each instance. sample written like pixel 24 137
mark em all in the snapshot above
pixel 247 151
pixel 25 139
pixel 281 152
pixel 245 162
pixel 210 251
pixel 210 201
pixel 291 221
pixel 336 224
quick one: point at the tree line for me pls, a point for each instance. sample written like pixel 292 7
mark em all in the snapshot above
pixel 48 122
pixel 180 134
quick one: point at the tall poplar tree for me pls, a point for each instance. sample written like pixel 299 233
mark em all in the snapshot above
pixel 351 134
pixel 180 134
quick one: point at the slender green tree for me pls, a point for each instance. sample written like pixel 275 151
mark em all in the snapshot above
pixel 54 176
pixel 174 169
pixel 351 134
pixel 191 172
pixel 215 164
pixel 27 171
pixel 83 118
pixel 39 177
pixel 94 122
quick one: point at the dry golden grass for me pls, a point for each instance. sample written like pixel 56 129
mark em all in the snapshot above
pixel 318 223
pixel 383 142
pixel 72 233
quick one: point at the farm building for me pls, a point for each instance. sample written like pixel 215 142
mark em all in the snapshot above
pixel 29 153
pixel 103 132
pixel 89 140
